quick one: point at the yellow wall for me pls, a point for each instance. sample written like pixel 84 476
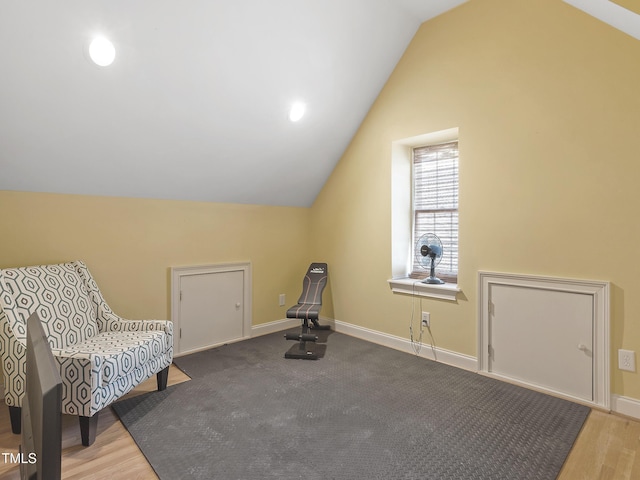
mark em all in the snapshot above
pixel 547 101
pixel 130 244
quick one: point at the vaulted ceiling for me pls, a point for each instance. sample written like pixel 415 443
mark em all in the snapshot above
pixel 196 104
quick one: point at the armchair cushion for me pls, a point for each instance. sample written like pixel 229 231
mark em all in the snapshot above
pixel 121 352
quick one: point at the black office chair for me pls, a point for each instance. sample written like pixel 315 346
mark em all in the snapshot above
pixel 308 309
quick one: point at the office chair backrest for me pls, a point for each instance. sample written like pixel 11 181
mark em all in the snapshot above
pixel 313 284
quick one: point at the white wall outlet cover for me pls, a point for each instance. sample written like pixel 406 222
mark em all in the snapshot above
pixel 627 360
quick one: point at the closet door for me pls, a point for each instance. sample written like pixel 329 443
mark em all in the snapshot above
pixel 543 338
pixel 211 309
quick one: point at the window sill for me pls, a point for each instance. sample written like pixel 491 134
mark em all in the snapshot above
pixel 410 286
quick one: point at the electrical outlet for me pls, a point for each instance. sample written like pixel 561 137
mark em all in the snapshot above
pixel 282 299
pixel 627 360
pixel 426 319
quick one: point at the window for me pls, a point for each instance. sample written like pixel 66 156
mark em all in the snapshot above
pixel 435 204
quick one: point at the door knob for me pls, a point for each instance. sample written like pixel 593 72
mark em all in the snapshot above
pixel 583 347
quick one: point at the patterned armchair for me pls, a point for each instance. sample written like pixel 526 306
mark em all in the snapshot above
pixel 101 355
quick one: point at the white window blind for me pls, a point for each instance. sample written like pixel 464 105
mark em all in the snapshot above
pixel 435 204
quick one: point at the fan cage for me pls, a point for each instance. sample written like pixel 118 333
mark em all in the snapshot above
pixel 445 224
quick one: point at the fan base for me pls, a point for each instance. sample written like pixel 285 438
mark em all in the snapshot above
pixel 433 281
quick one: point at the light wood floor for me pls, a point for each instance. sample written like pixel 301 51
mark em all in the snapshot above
pixel 114 454
pixel 608 447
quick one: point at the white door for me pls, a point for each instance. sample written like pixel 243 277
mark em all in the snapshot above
pixel 211 309
pixel 543 337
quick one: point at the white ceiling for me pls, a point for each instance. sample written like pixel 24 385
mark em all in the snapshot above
pixel 196 104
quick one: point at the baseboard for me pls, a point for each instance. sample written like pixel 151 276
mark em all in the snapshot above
pixel 273 327
pixel 398 343
pixel 629 407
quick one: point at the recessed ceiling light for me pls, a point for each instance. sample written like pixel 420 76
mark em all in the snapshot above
pixel 102 51
pixel 297 111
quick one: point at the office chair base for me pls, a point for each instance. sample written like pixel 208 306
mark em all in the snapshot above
pixel 302 351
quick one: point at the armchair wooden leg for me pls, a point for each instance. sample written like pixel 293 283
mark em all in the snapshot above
pixel 16 419
pixel 162 377
pixel 88 428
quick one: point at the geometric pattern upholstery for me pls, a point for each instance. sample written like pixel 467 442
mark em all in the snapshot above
pixel 60 298
pixel 101 356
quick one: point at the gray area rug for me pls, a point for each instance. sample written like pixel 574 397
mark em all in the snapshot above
pixel 363 411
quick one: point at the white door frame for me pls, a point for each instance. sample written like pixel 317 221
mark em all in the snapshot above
pixel 178 272
pixel 600 292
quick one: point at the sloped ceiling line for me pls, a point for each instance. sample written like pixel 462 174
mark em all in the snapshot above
pixel 196 103
pixel 612 13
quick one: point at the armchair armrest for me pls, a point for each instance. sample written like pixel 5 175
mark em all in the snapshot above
pixel 77 380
